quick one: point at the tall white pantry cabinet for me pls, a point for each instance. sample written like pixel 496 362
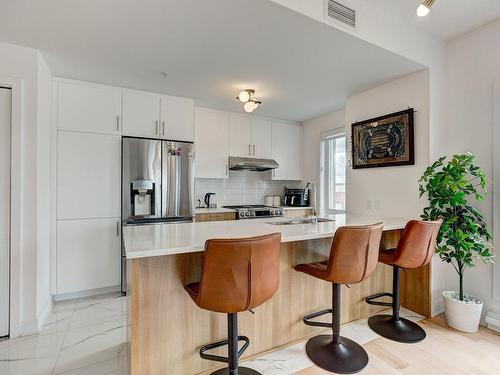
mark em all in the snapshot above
pixel 91 120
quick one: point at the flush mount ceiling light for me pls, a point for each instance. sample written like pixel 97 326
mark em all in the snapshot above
pixel 247 97
pixel 424 8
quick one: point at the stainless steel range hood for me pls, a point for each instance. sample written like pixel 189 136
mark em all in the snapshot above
pixel 250 164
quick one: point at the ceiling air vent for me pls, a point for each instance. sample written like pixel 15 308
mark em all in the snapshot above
pixel 341 13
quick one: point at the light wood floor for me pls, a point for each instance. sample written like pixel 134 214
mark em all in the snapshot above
pixel 444 351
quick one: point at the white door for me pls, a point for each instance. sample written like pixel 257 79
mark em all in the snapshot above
pixel 177 118
pixel 211 143
pixel 86 108
pixel 88 175
pixel 240 136
pixel 261 139
pixel 286 150
pixel 141 114
pixel 5 126
pixel 88 254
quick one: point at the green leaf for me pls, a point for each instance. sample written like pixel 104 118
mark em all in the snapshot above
pixel 450 187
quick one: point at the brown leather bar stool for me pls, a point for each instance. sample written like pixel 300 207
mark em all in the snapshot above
pixel 415 249
pixel 237 275
pixel 353 258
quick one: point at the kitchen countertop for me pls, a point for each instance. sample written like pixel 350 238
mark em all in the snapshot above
pixel 219 210
pixel 142 241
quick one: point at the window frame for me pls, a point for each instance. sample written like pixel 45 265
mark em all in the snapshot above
pixel 325 168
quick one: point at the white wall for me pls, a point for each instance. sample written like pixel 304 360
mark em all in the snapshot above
pixel 311 142
pixel 473 64
pixel 27 65
pixel 393 191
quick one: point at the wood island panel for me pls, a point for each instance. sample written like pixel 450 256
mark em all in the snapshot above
pixel 167 328
pixel 216 216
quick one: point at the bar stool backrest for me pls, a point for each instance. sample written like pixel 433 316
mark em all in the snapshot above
pixel 416 246
pixel 354 253
pixel 239 274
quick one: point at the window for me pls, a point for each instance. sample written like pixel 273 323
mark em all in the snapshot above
pixel 333 168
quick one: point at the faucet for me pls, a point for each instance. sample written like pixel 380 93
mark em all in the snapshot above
pixel 311 186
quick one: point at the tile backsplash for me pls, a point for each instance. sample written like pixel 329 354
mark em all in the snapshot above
pixel 242 187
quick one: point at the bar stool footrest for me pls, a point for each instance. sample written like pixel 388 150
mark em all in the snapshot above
pixel 307 319
pixel 218 344
pixel 370 299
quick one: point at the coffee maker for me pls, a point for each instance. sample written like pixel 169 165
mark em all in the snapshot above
pixel 296 197
pixel 142 198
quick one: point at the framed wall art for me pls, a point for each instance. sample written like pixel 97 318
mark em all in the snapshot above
pixel 384 141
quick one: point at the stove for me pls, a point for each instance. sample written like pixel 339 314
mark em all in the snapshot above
pixel 255 211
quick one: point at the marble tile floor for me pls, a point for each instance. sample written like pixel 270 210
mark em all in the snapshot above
pixel 84 336
pixel 87 337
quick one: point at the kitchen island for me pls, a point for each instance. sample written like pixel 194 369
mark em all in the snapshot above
pixel 167 328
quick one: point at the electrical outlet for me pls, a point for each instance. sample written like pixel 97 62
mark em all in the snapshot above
pixel 369 204
pixel 376 204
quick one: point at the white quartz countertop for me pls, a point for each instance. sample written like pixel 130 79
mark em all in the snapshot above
pixel 142 241
pixel 218 210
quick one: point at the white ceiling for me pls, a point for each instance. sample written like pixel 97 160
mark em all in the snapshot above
pixel 448 18
pixel 300 68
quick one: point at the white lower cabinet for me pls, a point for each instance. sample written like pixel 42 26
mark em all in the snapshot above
pixel 88 254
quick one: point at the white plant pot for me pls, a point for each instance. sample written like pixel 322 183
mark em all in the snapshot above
pixel 462 315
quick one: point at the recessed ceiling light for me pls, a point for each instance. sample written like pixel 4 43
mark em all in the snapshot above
pixel 425 8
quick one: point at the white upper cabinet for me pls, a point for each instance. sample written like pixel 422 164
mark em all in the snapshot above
pixel 249 137
pixel 141 114
pixel 240 136
pixel 177 118
pixel 88 170
pixel 261 139
pixel 211 137
pixel 286 150
pixel 87 108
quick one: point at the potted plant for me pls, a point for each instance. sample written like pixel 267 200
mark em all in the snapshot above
pixel 464 237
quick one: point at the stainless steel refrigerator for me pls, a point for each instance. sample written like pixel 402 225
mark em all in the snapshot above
pixel 157 183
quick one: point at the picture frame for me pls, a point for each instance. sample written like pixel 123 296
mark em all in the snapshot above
pixel 384 141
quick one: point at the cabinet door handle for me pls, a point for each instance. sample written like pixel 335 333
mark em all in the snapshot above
pixel 117 123
pixel 163 128
pixel 253 150
pixel 117 229
pixel 156 126
pixel 227 169
pixel 249 150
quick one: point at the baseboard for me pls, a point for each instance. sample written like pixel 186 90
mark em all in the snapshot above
pixel 492 321
pixel 44 314
pixel 437 306
pixel 28 327
pixel 87 293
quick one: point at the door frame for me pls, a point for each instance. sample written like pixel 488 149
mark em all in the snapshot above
pixel 496 191
pixel 16 86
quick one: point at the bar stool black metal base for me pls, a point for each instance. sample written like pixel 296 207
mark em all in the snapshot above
pixel 241 371
pixel 400 330
pixel 347 357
